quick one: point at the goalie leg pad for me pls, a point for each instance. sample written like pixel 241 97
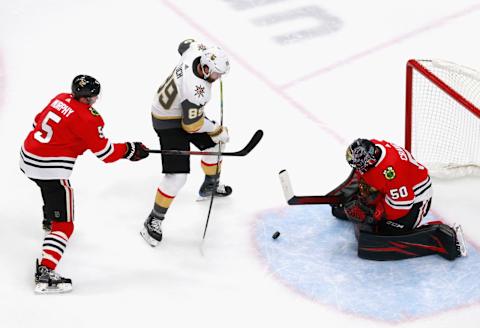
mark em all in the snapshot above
pixel 426 240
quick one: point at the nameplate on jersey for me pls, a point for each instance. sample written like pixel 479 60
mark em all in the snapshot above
pixel 63 108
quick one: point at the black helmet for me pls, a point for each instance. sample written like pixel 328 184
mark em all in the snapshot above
pixel 85 86
pixel 362 154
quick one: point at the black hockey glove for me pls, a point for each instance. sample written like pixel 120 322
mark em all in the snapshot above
pixel 136 151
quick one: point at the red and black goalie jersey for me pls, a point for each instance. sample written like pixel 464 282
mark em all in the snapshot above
pixel 400 179
pixel 65 129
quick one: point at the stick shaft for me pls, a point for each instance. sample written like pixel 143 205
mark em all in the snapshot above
pixel 219 155
pixel 304 200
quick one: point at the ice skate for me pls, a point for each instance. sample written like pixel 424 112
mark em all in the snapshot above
pixel 209 186
pixel 461 245
pixel 152 230
pixel 47 281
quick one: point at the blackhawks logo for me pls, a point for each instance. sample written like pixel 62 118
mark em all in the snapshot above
pixel 389 173
pixel 94 112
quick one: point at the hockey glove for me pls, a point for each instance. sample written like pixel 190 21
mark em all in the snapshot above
pixel 368 193
pixel 136 151
pixel 220 134
pixel 357 211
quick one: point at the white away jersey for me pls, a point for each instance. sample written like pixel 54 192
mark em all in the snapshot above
pixel 179 101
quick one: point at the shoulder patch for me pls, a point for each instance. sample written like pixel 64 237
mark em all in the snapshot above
pixel 94 111
pixel 389 173
pixel 200 91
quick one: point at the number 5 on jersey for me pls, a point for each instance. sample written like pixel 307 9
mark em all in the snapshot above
pixel 47 128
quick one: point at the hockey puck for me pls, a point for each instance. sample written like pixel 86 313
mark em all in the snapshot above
pixel 276 235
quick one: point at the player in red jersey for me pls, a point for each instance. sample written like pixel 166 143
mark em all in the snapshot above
pixel 62 131
pixel 388 196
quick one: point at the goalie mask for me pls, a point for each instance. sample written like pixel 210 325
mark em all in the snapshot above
pixel 216 60
pixel 361 155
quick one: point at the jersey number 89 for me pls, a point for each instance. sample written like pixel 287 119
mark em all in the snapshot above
pixel 167 92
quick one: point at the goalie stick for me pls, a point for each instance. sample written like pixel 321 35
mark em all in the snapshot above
pixel 306 200
pixel 247 149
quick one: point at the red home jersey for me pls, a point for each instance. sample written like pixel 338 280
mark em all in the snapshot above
pixel 400 179
pixel 65 129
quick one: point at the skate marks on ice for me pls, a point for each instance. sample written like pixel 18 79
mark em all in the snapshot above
pixel 315 255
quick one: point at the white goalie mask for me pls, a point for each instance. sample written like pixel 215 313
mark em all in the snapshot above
pixel 216 60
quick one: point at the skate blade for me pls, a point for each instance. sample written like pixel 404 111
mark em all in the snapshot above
pixel 460 239
pixel 152 242
pixel 44 288
pixel 204 198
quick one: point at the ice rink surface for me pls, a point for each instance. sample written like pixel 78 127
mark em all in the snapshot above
pixel 314 75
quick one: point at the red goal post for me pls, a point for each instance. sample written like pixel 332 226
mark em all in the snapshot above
pixel 442 120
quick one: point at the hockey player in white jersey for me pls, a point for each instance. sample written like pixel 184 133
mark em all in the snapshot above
pixel 178 119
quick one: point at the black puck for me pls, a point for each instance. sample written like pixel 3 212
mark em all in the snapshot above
pixel 276 235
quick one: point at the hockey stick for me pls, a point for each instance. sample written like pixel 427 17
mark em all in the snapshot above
pixel 217 174
pixel 304 200
pixel 243 152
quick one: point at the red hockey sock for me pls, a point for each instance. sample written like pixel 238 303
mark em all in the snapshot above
pixel 55 243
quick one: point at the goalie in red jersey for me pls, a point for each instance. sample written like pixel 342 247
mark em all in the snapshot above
pixel 63 130
pixel 388 196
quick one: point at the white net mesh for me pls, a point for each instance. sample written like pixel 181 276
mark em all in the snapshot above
pixel 446 134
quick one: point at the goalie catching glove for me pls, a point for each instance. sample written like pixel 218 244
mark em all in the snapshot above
pixel 136 151
pixel 358 211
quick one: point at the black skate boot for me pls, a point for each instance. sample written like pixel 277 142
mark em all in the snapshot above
pixel 152 230
pixel 47 281
pixel 209 186
pixel 453 241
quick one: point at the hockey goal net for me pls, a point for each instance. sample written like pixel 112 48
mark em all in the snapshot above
pixel 442 127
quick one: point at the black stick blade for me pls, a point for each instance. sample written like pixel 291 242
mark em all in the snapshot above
pixel 251 144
